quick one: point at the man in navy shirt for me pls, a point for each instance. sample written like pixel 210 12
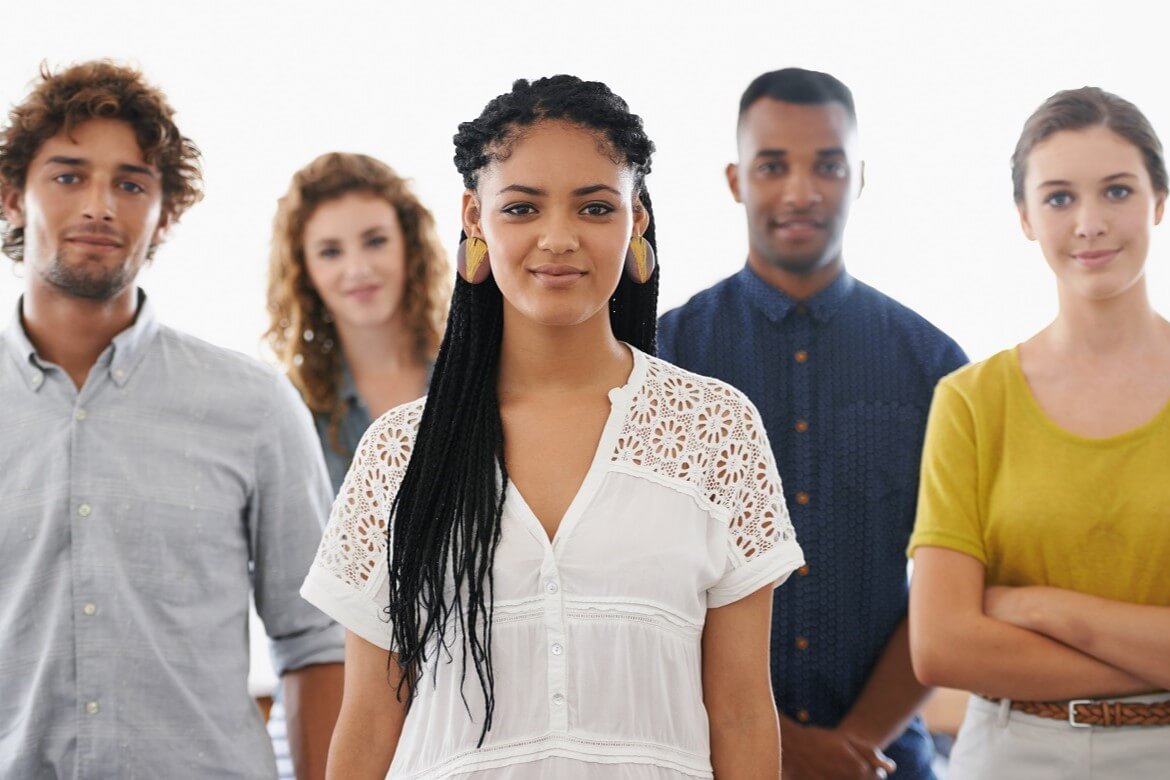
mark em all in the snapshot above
pixel 843 376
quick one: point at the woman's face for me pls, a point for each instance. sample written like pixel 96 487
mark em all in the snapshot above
pixel 557 214
pixel 1089 202
pixel 356 259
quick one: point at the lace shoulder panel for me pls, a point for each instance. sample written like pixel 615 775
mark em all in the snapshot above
pixel 356 538
pixel 706 433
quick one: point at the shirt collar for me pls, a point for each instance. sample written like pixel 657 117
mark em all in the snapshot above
pixel 120 358
pixel 777 305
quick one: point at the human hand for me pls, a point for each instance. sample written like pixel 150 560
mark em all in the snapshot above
pixel 811 753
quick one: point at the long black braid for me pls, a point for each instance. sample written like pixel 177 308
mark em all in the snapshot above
pixel 446 516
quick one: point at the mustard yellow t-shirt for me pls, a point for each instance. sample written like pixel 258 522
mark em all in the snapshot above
pixel 1037 504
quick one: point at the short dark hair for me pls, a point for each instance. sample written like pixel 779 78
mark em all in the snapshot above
pixel 800 86
pixel 98 89
pixel 1077 109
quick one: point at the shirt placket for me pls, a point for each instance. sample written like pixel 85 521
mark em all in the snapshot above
pixel 802 496
pixel 88 515
pixel 555 641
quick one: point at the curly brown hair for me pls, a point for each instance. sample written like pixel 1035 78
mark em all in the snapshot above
pixel 301 331
pixel 99 89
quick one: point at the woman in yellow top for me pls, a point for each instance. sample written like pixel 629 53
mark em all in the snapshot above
pixel 1042 547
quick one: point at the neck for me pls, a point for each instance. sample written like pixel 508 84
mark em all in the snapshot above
pixel 536 358
pixel 380 349
pixel 798 286
pixel 1101 328
pixel 73 332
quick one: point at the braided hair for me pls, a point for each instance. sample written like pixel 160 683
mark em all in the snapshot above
pixel 446 515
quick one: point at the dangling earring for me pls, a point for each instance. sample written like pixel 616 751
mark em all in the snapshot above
pixel 472 260
pixel 640 260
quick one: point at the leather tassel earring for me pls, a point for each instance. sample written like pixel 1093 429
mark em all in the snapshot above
pixel 472 260
pixel 640 260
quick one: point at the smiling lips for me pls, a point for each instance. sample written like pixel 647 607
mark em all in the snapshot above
pixel 94 241
pixel 557 275
pixel 797 228
pixel 364 293
pixel 1095 258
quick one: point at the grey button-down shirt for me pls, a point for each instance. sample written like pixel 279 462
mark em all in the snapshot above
pixel 135 516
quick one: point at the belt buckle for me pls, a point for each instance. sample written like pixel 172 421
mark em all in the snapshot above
pixel 1072 713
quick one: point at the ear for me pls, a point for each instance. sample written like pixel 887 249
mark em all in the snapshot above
pixel 163 230
pixel 1025 223
pixel 13 200
pixel 471 214
pixel 732 174
pixel 1159 208
pixel 641 217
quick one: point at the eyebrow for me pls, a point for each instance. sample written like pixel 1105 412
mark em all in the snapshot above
pixel 78 162
pixel 834 151
pixel 1063 183
pixel 579 192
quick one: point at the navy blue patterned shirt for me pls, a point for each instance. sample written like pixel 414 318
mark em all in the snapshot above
pixel 843 382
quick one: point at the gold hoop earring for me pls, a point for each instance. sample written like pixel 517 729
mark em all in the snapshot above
pixel 640 260
pixel 472 260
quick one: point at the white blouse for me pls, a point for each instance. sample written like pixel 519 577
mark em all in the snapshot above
pixel 596 635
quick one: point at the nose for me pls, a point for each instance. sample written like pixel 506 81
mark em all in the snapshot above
pixel 559 235
pixel 99 200
pixel 800 191
pixel 1090 221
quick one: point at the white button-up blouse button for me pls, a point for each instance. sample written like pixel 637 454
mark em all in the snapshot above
pixel 79 415
pixel 551 587
pixel 92 708
pixel 557 649
pixel 558 699
pixel 84 510
pixel 90 608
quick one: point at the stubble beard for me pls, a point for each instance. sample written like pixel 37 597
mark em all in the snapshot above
pixel 76 282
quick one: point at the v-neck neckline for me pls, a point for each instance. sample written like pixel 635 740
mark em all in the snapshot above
pixel 619 404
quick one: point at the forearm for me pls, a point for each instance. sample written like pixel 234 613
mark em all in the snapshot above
pixel 1132 637
pixel 746 743
pixel 891 696
pixel 312 697
pixel 999 660
pixel 363 746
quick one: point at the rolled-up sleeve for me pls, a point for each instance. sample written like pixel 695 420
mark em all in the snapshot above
pixel 288 508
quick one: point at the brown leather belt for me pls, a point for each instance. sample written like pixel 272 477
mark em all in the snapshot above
pixel 1084 713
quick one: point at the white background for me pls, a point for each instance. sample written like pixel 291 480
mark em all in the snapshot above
pixel 942 89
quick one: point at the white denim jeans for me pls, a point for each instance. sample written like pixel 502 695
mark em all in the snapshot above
pixel 998 743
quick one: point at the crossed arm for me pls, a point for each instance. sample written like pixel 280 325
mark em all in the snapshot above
pixel 1029 643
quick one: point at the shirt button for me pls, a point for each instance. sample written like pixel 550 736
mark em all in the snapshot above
pixel 92 708
pixel 558 699
pixel 802 498
pixel 119 373
pixel 801 643
pixel 801 426
pixel 90 608
pixel 84 510
pixel 37 378
pixel 551 587
pixel 801 356
pixel 79 415
pixel 803 570
pixel 803 716
pixel 557 649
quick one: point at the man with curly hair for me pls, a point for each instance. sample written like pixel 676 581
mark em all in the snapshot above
pixel 149 479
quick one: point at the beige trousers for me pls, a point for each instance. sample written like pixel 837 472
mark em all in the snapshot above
pixel 997 743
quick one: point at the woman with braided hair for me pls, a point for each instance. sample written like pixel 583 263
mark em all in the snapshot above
pixel 564 555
